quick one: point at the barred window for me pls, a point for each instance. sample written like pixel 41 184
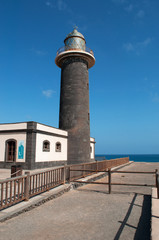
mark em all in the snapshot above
pixel 58 147
pixel 46 146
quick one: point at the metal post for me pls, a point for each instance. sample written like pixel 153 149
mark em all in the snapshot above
pixel 109 179
pixel 26 187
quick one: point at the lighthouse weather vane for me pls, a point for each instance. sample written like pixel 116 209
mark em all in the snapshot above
pixel 75 27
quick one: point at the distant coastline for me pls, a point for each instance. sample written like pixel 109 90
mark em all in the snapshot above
pixel 133 157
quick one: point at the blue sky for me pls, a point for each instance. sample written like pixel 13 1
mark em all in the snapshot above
pixel 124 82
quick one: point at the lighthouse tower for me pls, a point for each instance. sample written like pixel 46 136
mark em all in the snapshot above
pixel 75 59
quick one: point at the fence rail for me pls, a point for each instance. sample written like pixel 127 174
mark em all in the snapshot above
pixel 41 182
pixel 85 169
pixel 12 191
pixel 17 189
pixel 110 183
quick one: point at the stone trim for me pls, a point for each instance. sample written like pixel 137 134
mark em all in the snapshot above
pixel 73 59
pixel 13 131
pixel 36 165
pixel 48 164
pixel 31 145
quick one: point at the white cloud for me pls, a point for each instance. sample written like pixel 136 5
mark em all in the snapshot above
pixel 145 43
pixel 140 14
pixel 119 1
pixel 48 93
pixel 39 52
pixel 61 5
pixel 28 117
pixel 137 47
pixel 128 47
pixel 155 98
pixel 49 4
pixel 129 8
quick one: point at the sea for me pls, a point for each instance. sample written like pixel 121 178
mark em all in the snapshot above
pixel 132 157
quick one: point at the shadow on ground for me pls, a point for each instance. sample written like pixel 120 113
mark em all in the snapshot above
pixel 143 230
pixel 144 225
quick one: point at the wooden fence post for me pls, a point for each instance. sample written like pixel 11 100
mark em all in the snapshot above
pixel 156 173
pixel 69 175
pixel 109 179
pixel 83 171
pixel 26 189
pixel 157 186
pixel 157 182
pixel 64 174
pixel 96 166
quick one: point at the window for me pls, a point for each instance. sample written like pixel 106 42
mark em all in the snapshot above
pixel 90 149
pixel 46 146
pixel 11 150
pixel 58 147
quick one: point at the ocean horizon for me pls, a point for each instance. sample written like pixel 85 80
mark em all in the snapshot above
pixel 132 157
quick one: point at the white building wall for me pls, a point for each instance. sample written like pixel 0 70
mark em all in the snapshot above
pixel 40 155
pixel 18 137
pixel 52 155
pixel 93 150
pixel 92 145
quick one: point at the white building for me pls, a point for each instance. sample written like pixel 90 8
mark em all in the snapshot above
pixel 34 145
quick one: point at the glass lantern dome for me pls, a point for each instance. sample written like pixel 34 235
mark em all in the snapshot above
pixel 75 40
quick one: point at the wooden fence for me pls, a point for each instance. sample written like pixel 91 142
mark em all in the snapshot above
pixel 110 183
pixel 14 190
pixel 94 167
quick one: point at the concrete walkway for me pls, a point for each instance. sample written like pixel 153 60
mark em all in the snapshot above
pixel 89 212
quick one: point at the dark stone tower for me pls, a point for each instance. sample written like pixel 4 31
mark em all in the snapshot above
pixel 75 59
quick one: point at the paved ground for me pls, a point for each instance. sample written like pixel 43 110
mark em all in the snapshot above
pixel 89 212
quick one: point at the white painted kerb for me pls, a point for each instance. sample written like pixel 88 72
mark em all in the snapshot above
pixel 154 215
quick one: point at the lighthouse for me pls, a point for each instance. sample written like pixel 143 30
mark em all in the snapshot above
pixel 75 59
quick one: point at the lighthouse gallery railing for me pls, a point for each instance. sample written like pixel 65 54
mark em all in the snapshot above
pixel 64 49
